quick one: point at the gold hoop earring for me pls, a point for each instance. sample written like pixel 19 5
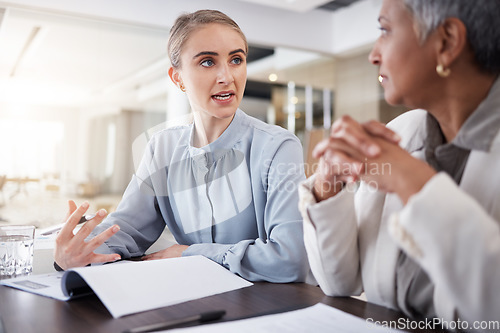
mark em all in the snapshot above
pixel 442 72
pixel 181 87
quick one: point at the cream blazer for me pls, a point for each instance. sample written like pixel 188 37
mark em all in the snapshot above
pixel 353 239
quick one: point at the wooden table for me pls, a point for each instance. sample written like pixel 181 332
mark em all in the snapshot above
pixel 25 312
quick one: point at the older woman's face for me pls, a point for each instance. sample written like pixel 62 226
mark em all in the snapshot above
pixel 407 66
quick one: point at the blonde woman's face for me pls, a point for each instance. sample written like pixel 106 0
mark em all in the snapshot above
pixel 213 70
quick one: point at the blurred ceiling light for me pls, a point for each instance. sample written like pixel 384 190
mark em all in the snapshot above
pixel 34 39
pixel 295 100
pixel 273 77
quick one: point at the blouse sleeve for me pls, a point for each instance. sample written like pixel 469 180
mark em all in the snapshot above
pixel 138 215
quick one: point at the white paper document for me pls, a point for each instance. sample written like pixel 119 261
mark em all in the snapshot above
pixel 136 286
pixel 43 284
pixel 317 318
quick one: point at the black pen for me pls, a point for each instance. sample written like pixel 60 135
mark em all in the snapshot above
pixel 202 317
pixel 84 218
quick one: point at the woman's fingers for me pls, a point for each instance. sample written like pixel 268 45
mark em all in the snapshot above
pixel 99 239
pixel 77 252
pixel 71 250
pixel 320 148
pixel 340 163
pixel 345 129
pixel 336 165
pixel 355 135
pixel 173 251
pixel 89 226
pixel 378 129
pixel 71 208
pixel 151 256
pixel 337 144
pixel 73 219
pixel 104 258
pixel 360 137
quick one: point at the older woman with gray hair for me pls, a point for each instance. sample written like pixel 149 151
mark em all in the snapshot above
pixel 421 232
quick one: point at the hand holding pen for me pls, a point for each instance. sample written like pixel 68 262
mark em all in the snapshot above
pixel 71 249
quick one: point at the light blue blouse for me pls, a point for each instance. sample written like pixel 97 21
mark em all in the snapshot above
pixel 233 201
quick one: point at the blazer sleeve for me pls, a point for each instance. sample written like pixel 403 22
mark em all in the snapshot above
pixel 458 244
pixel 279 254
pixel 331 240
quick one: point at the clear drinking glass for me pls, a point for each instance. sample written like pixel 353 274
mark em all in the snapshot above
pixel 16 250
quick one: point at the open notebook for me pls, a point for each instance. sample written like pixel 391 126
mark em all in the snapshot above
pixel 128 287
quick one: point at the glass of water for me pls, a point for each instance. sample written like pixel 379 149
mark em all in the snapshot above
pixel 16 250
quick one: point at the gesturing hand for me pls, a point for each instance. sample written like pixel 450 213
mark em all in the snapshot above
pixel 71 250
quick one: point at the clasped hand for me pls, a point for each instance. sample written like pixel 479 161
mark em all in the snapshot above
pixel 368 152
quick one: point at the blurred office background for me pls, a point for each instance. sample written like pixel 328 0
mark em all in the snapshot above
pixel 80 81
